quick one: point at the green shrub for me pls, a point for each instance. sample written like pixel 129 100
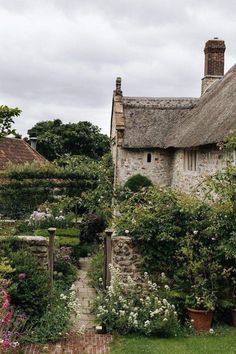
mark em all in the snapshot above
pixel 128 307
pixel 65 273
pixel 137 182
pixel 56 320
pixel 95 272
pixel 90 228
pixel 29 289
pixel 72 233
pixel 67 241
pixel 157 221
pixel 81 250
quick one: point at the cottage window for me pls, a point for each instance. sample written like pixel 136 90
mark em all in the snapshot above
pixel 149 157
pixel 190 160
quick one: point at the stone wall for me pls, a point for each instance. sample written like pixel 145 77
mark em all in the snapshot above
pixel 124 255
pixel 132 162
pixel 209 161
pixel 39 247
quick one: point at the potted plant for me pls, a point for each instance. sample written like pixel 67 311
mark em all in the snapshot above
pixel 201 272
pixel 200 306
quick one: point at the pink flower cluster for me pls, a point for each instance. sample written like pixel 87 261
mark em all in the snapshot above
pixel 10 324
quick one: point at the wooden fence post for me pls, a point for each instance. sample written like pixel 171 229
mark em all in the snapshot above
pixel 51 232
pixel 107 258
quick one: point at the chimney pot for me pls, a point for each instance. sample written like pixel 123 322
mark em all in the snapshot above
pixel 33 142
pixel 118 90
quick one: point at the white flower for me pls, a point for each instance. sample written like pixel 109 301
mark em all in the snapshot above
pixel 195 232
pixel 211 331
pixel 146 323
pixel 165 302
pixel 167 287
pixel 127 231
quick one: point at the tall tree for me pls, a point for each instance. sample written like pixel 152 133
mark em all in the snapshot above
pixel 55 139
pixel 7 116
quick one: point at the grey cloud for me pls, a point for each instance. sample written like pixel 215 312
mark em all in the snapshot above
pixel 59 58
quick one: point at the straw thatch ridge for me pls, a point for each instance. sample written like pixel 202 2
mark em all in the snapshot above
pixel 213 118
pixel 182 122
pixel 148 120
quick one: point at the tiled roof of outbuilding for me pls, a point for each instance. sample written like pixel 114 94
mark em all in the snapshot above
pixel 17 151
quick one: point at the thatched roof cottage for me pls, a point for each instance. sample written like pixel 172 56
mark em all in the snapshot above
pixel 173 141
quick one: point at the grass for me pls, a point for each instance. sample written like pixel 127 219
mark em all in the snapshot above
pixel 223 341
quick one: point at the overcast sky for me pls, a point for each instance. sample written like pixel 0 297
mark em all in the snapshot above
pixel 60 58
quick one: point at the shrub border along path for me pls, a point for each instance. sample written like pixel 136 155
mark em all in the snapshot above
pixel 88 343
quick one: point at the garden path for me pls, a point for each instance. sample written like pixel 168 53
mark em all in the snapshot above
pixel 86 295
pixel 79 343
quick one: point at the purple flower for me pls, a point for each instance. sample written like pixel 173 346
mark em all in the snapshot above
pixel 22 276
pixel 66 259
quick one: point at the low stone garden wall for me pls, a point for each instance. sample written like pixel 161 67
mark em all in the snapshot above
pixel 38 246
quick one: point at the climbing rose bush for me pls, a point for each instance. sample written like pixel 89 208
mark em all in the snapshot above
pixel 132 307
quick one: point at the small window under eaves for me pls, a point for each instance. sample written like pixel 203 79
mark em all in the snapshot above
pixel 149 157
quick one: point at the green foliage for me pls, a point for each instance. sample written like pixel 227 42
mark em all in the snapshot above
pixel 95 272
pixel 56 139
pixel 53 324
pixel 90 228
pixel 86 186
pixel 7 116
pixel 129 307
pixel 137 182
pixel 56 320
pixel 67 241
pixel 65 273
pixel 98 200
pixel 189 239
pixel 157 220
pixel 71 233
pixel 31 293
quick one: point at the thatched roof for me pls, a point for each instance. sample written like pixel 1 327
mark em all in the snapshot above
pixel 213 117
pixel 182 122
pixel 17 151
pixel 149 120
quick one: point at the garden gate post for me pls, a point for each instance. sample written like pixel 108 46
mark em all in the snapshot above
pixel 107 258
pixel 51 232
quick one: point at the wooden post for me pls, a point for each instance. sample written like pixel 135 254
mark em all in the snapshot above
pixel 107 258
pixel 51 232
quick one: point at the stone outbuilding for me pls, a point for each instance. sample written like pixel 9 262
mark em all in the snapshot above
pixel 173 141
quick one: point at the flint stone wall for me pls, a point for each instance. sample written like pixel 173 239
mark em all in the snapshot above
pixel 125 256
pixel 38 246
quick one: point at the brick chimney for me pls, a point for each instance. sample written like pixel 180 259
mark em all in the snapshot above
pixel 214 62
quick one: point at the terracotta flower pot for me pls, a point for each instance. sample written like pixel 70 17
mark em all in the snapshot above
pixel 234 317
pixel 201 319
